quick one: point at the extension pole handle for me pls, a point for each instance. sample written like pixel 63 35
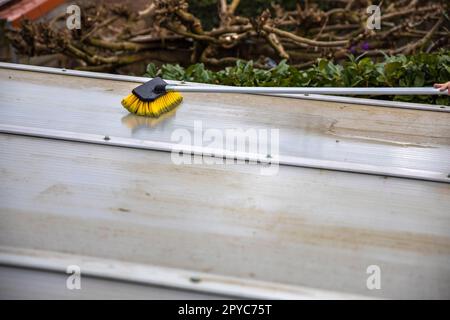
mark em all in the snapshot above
pixel 309 90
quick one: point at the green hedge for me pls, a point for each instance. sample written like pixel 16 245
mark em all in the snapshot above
pixel 394 71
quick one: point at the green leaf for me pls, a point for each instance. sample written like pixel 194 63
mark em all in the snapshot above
pixel 151 70
pixel 391 67
pixel 419 81
pixel 423 69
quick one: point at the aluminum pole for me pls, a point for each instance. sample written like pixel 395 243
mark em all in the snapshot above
pixel 309 90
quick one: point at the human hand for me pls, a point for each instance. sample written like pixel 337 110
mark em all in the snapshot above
pixel 443 86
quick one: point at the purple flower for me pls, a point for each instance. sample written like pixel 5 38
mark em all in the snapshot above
pixel 353 49
pixel 365 46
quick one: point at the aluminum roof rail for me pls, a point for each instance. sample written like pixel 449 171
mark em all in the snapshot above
pixel 330 98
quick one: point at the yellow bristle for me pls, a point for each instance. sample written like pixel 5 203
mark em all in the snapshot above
pixel 141 108
pixel 155 108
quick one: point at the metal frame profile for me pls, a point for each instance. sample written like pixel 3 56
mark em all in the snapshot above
pixel 200 87
pixel 222 153
pixel 151 275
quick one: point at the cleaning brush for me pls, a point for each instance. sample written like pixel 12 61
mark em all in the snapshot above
pixel 156 96
pixel 152 99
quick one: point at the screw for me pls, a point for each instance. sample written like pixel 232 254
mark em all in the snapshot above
pixel 195 279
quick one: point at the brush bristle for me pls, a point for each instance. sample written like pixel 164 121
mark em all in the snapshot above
pixel 161 105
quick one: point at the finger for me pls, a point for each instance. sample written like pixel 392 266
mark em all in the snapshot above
pixel 441 86
pixel 444 87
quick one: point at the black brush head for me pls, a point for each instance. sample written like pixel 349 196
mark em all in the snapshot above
pixel 151 90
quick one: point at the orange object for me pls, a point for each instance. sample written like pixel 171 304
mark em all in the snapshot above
pixel 15 11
